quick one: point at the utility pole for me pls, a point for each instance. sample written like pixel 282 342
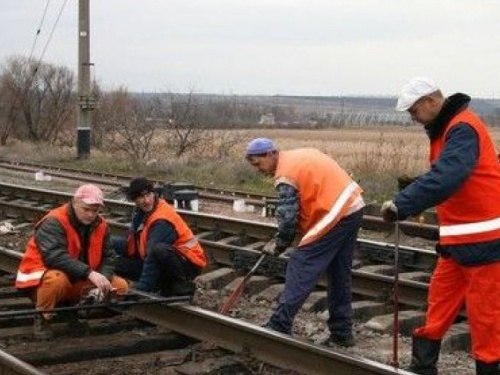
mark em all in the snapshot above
pixel 85 102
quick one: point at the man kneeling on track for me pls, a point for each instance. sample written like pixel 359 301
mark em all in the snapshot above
pixel 69 256
pixel 161 253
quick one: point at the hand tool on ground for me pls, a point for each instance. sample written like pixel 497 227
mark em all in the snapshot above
pixel 395 327
pixel 238 291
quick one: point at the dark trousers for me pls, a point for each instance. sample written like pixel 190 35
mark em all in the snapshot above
pixel 332 254
pixel 162 267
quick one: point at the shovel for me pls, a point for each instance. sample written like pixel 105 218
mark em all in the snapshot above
pixel 238 291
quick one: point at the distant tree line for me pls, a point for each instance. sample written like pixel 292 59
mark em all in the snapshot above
pixel 38 103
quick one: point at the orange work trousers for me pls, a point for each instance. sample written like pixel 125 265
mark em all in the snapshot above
pixel 55 287
pixel 478 287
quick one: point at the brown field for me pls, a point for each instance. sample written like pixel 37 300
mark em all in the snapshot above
pixel 375 156
pixel 376 150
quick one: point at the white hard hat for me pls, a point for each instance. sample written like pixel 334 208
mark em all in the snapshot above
pixel 413 90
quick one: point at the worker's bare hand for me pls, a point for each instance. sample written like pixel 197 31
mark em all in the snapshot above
pixel 100 281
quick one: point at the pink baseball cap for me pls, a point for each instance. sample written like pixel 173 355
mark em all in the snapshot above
pixel 90 194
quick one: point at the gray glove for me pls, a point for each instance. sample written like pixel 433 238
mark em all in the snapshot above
pixel 270 248
pixel 389 211
pixel 288 252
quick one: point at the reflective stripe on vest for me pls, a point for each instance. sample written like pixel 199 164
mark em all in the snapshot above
pixel 334 212
pixel 461 229
pixel 472 213
pixel 26 277
pixel 190 243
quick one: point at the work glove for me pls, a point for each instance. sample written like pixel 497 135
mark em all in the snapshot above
pixel 274 248
pixel 270 248
pixel 389 211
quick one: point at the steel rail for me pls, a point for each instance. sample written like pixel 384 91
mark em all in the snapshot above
pixel 10 365
pixel 118 181
pixel 222 252
pixel 209 228
pixel 264 345
pixel 201 219
pixel 25 166
pixel 411 228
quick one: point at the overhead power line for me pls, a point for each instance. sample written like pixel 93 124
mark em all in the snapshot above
pixel 22 96
pixel 52 31
pixel 39 29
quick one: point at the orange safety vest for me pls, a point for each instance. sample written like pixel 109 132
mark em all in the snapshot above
pixel 472 213
pixel 32 267
pixel 326 191
pixel 186 244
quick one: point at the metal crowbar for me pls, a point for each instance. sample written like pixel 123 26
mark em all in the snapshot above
pixel 395 327
pixel 238 291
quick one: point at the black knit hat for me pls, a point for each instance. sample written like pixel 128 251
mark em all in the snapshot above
pixel 139 186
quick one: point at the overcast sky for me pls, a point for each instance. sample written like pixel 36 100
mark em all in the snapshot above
pixel 288 47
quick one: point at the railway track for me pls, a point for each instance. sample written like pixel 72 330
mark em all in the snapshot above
pixel 111 338
pixel 119 181
pixel 423 226
pixel 234 244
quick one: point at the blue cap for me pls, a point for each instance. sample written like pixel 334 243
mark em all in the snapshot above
pixel 260 146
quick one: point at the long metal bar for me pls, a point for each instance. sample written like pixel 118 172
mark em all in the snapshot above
pixel 268 346
pixel 395 328
pixel 10 365
pixel 110 305
pixel 199 219
pixel 238 291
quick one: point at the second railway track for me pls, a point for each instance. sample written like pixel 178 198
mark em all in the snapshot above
pixel 424 227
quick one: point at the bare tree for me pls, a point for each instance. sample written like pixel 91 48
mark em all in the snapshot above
pixel 181 116
pixel 127 124
pixel 13 87
pixel 38 99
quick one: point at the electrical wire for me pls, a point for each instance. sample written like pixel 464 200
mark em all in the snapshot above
pixel 29 82
pixel 52 31
pixel 39 29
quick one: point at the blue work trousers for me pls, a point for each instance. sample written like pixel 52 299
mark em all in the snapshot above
pixel 331 254
pixel 162 267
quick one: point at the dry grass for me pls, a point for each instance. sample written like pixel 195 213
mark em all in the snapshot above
pixel 374 156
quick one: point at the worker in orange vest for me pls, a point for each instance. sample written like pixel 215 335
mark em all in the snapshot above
pixel 68 258
pixel 161 253
pixel 464 185
pixel 319 202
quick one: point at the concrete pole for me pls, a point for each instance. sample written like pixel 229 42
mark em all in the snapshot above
pixel 85 101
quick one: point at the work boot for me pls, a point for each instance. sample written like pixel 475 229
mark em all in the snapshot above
pixel 42 330
pixel 344 341
pixel 483 368
pixel 425 354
